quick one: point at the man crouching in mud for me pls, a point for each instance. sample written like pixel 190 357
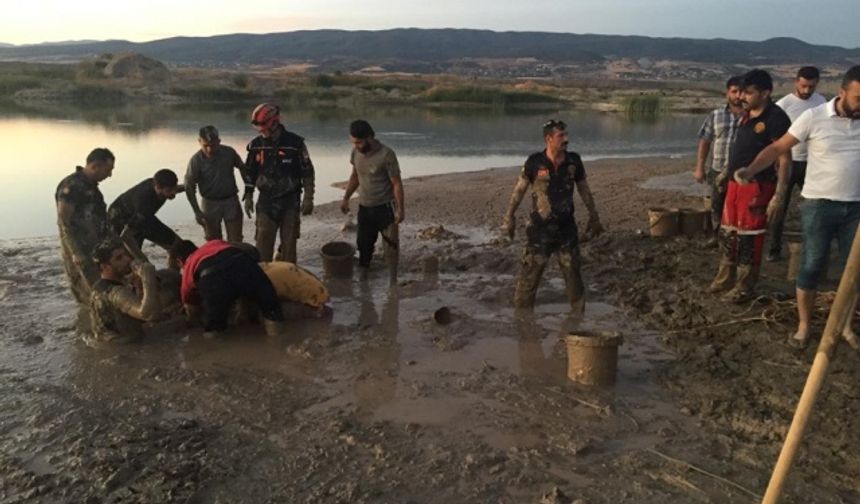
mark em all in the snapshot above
pixel 215 276
pixel 552 175
pixel 117 311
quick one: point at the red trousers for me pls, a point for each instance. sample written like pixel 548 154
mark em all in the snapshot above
pixel 744 221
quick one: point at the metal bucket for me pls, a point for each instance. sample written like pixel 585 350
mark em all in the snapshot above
pixel 663 222
pixel 337 259
pixel 592 357
pixel 693 222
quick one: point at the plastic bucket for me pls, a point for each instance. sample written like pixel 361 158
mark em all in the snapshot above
pixel 693 222
pixel 663 222
pixel 592 357
pixel 337 259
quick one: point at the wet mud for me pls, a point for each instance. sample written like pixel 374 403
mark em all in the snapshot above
pixel 382 403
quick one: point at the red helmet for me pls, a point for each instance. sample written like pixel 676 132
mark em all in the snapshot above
pixel 266 116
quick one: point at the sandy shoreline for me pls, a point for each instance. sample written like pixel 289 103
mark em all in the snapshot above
pixel 379 404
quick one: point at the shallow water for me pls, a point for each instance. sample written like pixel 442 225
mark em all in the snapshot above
pixel 44 146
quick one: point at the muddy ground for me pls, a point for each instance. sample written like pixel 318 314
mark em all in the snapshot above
pixel 381 404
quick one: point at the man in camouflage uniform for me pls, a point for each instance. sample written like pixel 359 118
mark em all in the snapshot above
pixel 279 166
pixel 82 221
pixel 552 175
pixel 117 311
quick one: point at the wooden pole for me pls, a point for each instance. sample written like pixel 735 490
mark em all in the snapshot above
pixel 840 314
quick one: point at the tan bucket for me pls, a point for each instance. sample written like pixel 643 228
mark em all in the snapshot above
pixel 592 357
pixel 707 203
pixel 693 222
pixel 663 222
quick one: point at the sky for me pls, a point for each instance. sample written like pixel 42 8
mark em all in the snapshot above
pixel 831 22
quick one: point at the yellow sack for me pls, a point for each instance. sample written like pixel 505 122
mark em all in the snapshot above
pixel 293 283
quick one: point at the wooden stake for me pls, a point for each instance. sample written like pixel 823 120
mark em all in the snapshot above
pixel 840 313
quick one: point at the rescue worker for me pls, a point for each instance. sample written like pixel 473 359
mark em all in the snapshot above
pixel 552 176
pixel 218 274
pixel 82 221
pixel 117 311
pixel 376 176
pixel 749 207
pixel 211 168
pixel 132 214
pixel 280 167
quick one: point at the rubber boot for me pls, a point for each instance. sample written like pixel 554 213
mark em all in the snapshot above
pixel 274 328
pixel 745 284
pixel 725 276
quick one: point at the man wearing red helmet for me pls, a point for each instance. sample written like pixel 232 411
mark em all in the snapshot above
pixel 279 166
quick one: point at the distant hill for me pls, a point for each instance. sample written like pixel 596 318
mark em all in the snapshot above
pixel 429 50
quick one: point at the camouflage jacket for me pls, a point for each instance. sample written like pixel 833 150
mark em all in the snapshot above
pixel 88 224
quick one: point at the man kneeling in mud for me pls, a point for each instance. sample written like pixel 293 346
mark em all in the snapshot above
pixel 218 274
pixel 118 312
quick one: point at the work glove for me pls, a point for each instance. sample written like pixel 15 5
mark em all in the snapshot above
pixel 742 176
pixel 248 199
pixel 307 205
pixel 721 181
pixel 509 227
pixel 774 209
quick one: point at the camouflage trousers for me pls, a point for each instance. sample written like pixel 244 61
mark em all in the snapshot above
pixel 534 263
pixel 81 277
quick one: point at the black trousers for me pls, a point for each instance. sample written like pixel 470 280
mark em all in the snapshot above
pixel 225 278
pixel 371 222
pixel 796 179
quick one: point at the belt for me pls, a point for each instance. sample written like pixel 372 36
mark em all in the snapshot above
pixel 221 199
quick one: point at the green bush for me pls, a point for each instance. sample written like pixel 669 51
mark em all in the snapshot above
pixel 10 84
pixel 486 96
pixel 241 80
pixel 643 107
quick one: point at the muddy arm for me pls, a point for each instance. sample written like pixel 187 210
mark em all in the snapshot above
pixel 593 227
pixel 400 209
pixel 131 245
pixel 517 196
pixel 65 210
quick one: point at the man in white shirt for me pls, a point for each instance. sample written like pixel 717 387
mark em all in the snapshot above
pixel 802 99
pixel 832 190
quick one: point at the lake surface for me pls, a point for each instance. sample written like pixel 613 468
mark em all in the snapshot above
pixel 41 147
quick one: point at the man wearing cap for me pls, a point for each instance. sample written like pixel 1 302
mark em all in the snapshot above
pixel 279 166
pixel 748 208
pixel 211 170
pixel 82 221
pixel 552 175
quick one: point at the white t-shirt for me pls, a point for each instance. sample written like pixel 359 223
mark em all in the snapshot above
pixel 794 106
pixel 833 142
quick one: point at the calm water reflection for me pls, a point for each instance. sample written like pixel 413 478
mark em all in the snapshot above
pixel 42 146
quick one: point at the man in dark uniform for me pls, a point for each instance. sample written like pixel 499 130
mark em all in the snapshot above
pixel 279 166
pixel 552 175
pixel 132 214
pixel 82 221
pixel 748 208
pixel 216 275
pixel 118 312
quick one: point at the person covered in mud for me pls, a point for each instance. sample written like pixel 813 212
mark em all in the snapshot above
pixel 716 136
pixel 552 175
pixel 118 312
pixel 376 176
pixel 211 170
pixel 802 99
pixel 749 207
pixel 280 167
pixel 218 274
pixel 82 221
pixel 831 190
pixel 132 214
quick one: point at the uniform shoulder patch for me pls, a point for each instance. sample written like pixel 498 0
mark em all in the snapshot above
pixel 543 172
pixel 759 127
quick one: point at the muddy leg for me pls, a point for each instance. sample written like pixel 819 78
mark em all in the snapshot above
pixel 531 271
pixel 265 236
pixel 725 277
pixel 290 230
pixel 569 263
pixel 234 230
pixel 391 240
